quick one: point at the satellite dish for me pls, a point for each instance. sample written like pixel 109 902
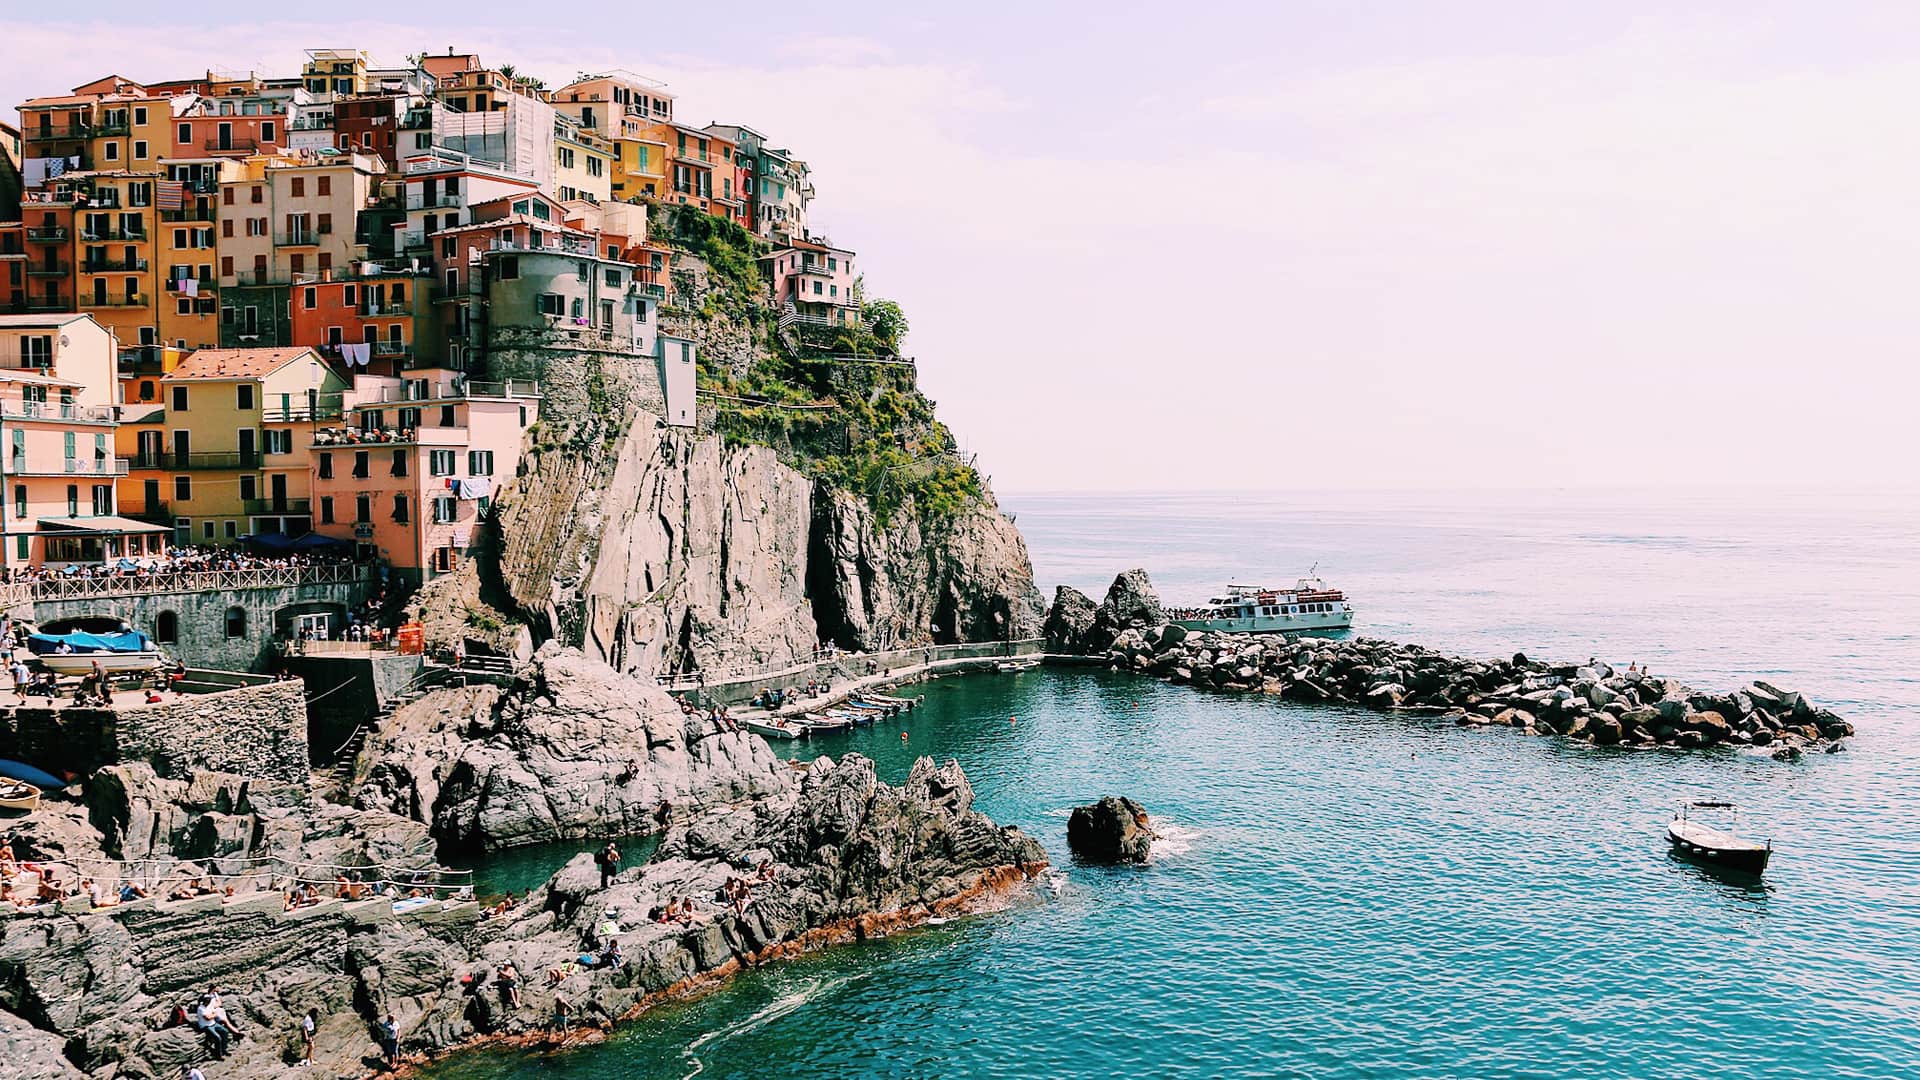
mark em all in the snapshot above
pixel 64 341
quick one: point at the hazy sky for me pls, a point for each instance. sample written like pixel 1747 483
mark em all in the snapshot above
pixel 1282 245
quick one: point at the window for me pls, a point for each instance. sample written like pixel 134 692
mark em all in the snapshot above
pixel 326 509
pixel 298 264
pixel 20 500
pixel 179 399
pixel 480 463
pixel 399 463
pixel 140 148
pixel 299 187
pixel 266 131
pixel 441 463
pixel 259 194
pixel 140 115
pixel 182 489
pixel 113 151
pixel 445 510
pixel 613 278
pixel 362 509
pixel 324 185
pixel 184 134
pixel 360 466
pixel 166 628
pixel 326 224
pixel 279 441
pixel 410 418
pixel 508 267
pixel 73 500
pixel 236 616
pixel 400 509
pixel 583 271
pixel 249 486
pixel 226 196
pixel 551 304
pixel 446 417
pixel 326 465
pixel 246 397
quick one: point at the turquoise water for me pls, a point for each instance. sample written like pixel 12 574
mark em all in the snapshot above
pixel 1353 895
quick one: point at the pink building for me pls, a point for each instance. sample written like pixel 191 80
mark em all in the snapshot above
pixel 414 467
pixel 816 280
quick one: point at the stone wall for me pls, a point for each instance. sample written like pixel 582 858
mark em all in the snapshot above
pixel 253 730
pixel 201 618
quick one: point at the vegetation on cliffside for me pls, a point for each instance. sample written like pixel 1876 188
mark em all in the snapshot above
pixel 835 402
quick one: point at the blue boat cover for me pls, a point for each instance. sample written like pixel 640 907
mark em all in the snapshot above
pixel 129 641
pixel 45 781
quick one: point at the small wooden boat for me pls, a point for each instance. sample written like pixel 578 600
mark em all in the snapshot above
pixel 897 702
pixel 18 795
pixel 1717 847
pixel 855 705
pixel 826 721
pixel 776 729
pixel 1016 665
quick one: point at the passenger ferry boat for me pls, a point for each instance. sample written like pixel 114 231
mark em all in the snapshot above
pixel 1254 609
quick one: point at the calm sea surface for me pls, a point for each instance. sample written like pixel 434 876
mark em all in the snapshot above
pixel 1350 895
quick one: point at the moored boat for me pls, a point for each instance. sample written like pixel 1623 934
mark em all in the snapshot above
pixel 1718 847
pixel 1016 665
pixel 1255 609
pixel 777 728
pixel 827 721
pixel 76 653
pixel 883 699
pixel 18 795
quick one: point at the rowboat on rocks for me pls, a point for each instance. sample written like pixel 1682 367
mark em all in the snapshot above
pixel 1717 847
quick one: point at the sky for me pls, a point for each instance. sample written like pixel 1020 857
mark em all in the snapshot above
pixel 1287 245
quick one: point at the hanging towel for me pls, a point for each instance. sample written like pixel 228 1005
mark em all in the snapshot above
pixel 190 286
pixel 475 489
pixel 356 353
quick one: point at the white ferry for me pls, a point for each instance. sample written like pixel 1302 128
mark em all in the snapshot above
pixel 1254 609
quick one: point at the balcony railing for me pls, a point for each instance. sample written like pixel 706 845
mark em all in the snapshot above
pixel 45 270
pixel 37 304
pixel 113 266
pixel 276 506
pixel 235 143
pixel 49 134
pixel 434 202
pixel 112 127
pixel 21 465
pixel 204 286
pixel 165 459
pixel 55 410
pixel 132 300
pixel 201 582
pixel 198 213
pixel 48 234
pixel 141 360
pixel 299 238
pixel 102 235
pixel 301 414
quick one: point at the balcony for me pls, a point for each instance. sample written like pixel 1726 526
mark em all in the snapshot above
pixel 299 238
pixel 39 304
pixel 113 266
pixel 435 202
pixel 192 462
pixel 51 134
pixel 196 214
pixel 644 288
pixel 21 465
pixel 50 234
pixel 241 145
pixel 204 286
pixel 49 270
pixel 113 127
pixel 130 300
pixel 141 360
pixel 57 411
pixel 276 506
pixel 301 414
pixel 102 235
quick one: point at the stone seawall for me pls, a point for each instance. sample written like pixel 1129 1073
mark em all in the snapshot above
pixel 256 730
pixel 200 619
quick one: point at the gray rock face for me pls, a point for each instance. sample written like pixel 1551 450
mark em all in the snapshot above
pixel 1068 620
pixel 1130 604
pixel 584 751
pixel 1111 830
pixel 846 856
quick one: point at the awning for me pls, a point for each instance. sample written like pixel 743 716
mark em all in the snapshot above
pixel 99 526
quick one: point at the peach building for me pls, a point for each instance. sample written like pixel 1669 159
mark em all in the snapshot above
pixel 413 468
pixel 58 461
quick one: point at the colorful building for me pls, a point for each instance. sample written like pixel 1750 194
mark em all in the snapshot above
pixel 411 471
pixel 232 458
pixel 369 319
pixel 58 462
pixel 815 281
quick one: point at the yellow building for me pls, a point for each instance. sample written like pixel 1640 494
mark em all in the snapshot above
pixel 187 260
pixel 114 279
pixel 582 163
pixel 233 457
pixel 642 164
pixel 335 72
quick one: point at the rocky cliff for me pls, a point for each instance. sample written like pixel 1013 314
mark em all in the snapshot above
pixel 831 506
pixel 580 751
pixel 91 991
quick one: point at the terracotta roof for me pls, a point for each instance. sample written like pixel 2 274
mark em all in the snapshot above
pixel 236 363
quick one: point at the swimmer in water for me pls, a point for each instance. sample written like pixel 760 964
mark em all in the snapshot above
pixel 903 736
pixel 1013 720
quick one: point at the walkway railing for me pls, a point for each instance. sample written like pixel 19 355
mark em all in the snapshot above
pixel 856 663
pixel 82 587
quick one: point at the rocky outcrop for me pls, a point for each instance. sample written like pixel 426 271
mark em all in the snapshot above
pixel 1591 702
pixel 845 856
pixel 1075 626
pixel 875 585
pixel 1069 618
pixel 1111 830
pixel 580 751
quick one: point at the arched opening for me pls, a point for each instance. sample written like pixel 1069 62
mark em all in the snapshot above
pixel 236 622
pixel 166 628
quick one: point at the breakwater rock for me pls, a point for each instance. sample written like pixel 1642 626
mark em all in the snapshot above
pixel 828 855
pixel 1111 830
pixel 577 750
pixel 1593 702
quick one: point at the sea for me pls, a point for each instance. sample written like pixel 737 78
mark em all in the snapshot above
pixel 1345 894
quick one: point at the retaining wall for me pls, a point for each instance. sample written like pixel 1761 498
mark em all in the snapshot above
pixel 256 730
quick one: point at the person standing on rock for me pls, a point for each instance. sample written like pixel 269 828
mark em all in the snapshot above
pixel 561 1010
pixel 309 1024
pixel 609 861
pixel 390 1040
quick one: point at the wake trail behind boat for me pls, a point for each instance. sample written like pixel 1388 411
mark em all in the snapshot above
pixel 779 1007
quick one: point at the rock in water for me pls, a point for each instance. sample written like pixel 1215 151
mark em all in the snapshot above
pixel 1068 620
pixel 1111 830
